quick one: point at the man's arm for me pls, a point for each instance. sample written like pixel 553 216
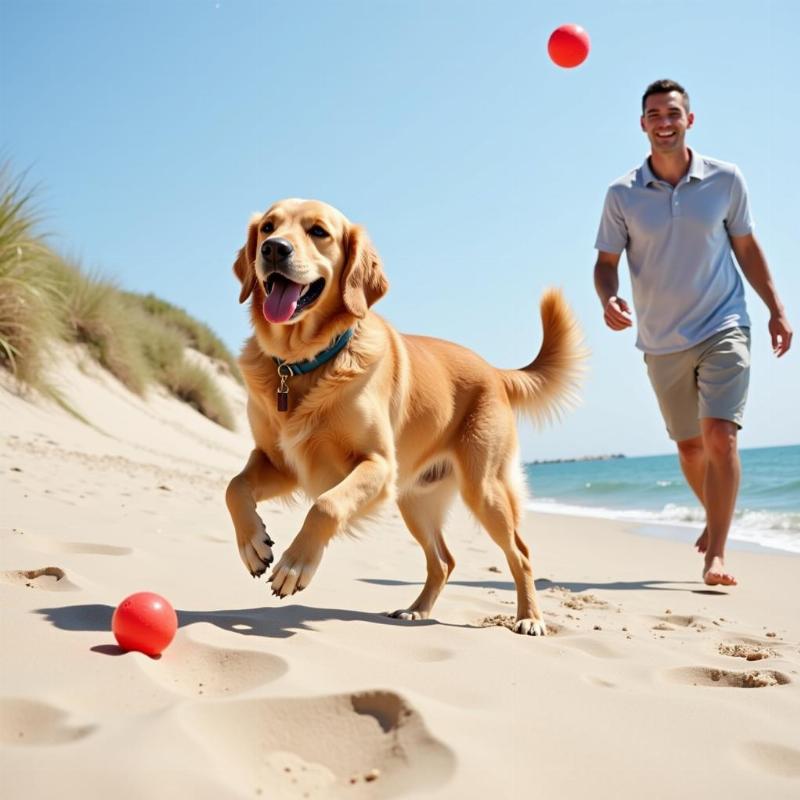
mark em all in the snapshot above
pixel 616 312
pixel 754 266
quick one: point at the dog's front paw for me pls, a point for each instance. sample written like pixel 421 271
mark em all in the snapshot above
pixel 256 552
pixel 293 572
pixel 530 627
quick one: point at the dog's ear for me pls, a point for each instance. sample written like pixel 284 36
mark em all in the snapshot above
pixel 363 280
pixel 244 268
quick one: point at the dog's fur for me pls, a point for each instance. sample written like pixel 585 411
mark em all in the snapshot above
pixel 391 417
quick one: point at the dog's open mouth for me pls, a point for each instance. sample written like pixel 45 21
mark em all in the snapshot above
pixel 286 299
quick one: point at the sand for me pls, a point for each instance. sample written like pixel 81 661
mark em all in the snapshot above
pixel 650 684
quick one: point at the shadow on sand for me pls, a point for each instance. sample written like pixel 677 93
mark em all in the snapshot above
pixel 276 623
pixel 285 621
pixel 544 583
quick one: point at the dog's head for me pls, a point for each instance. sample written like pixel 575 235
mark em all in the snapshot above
pixel 304 261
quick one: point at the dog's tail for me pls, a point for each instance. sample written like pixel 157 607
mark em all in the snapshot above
pixel 548 386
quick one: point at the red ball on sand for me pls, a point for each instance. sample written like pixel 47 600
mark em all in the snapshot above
pixel 568 46
pixel 146 622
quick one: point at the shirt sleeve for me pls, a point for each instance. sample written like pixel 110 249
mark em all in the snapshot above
pixel 612 235
pixel 738 221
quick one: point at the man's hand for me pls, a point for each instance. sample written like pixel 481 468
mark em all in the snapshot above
pixel 781 333
pixel 754 266
pixel 617 314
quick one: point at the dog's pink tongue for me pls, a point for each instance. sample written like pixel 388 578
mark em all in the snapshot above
pixel 281 302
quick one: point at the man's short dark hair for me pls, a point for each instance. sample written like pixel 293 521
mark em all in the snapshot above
pixel 665 86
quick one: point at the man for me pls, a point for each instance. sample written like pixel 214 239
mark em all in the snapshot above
pixel 678 217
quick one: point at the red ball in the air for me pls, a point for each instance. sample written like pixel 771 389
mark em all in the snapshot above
pixel 568 46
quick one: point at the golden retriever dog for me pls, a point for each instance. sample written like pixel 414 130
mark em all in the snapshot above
pixel 352 414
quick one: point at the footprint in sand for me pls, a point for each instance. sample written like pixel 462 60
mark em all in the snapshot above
pixel 203 670
pixel 663 626
pixel 671 622
pixel 709 676
pixel 286 748
pixel 28 722
pixel 50 579
pixel 577 602
pixel 774 759
pixel 746 650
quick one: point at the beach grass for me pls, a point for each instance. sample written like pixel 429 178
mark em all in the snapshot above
pixel 27 286
pixel 140 339
pixel 163 345
pixel 197 334
pixel 94 313
pixel 192 384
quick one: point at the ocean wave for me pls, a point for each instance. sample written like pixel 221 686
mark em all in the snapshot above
pixel 607 487
pixel 743 519
pixel 610 486
pixel 789 488
pixel 780 530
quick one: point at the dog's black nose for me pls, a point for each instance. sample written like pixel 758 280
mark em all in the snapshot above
pixel 276 250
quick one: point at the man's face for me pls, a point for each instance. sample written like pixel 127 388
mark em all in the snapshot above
pixel 665 121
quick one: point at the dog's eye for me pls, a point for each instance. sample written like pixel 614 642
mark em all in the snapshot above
pixel 267 227
pixel 319 232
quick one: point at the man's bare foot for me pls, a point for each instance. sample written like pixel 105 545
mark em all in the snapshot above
pixel 702 541
pixel 714 573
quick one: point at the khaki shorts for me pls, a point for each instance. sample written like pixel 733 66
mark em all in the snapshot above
pixel 709 380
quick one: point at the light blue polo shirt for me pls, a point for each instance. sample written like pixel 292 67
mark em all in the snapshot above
pixel 685 284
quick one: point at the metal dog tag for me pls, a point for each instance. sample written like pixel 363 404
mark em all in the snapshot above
pixel 283 389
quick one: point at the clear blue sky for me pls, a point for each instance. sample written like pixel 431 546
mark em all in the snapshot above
pixel 478 167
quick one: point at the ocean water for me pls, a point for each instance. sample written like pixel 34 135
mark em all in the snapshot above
pixel 651 490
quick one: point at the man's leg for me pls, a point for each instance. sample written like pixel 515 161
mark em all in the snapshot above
pixel 692 456
pixel 720 488
pixel 723 376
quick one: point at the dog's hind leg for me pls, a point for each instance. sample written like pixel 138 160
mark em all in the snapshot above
pixel 497 503
pixel 424 514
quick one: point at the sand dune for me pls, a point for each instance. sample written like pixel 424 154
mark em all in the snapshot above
pixel 643 688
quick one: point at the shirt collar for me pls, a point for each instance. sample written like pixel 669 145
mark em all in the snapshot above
pixel 696 169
